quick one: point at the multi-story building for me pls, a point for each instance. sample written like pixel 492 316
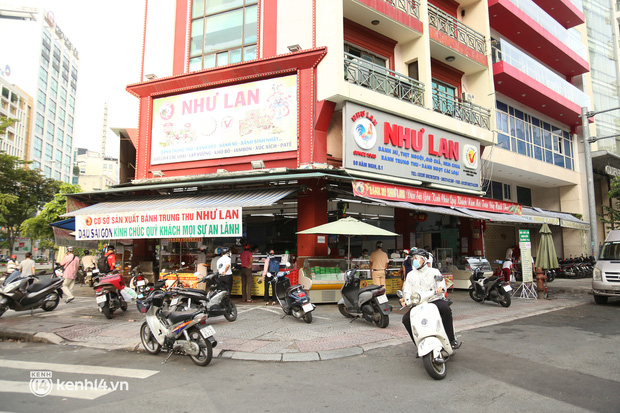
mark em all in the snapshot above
pixel 296 113
pixel 46 63
pixel 15 104
pixel 96 172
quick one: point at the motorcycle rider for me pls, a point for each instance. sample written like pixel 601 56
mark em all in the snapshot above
pixel 421 279
pixel 89 263
pixel 11 265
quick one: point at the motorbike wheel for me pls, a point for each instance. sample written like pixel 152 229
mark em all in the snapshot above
pixel 2 311
pixel 124 305
pixel 230 310
pixel 435 370
pixel 148 340
pixel 550 276
pixel 343 310
pixel 380 319
pixel 308 318
pixel 107 312
pixel 505 298
pixel 474 296
pixel 206 349
pixel 53 304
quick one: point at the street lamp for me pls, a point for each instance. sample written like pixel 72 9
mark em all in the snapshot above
pixel 589 173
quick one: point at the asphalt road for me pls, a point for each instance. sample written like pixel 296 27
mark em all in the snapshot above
pixel 564 360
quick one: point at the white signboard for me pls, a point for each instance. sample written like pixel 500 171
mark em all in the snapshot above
pixel 208 223
pixel 246 119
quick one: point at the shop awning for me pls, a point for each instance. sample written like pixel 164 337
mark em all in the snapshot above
pixel 423 208
pixel 496 217
pixel 540 216
pixel 246 198
pixel 68 224
pixel 562 219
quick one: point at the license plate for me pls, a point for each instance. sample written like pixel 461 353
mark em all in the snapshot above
pixel 139 283
pixel 101 299
pixel 207 331
pixel 140 296
pixel 307 307
pixel 174 301
pixel 507 288
pixel 382 299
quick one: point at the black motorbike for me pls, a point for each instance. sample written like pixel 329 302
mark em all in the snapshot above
pixel 368 302
pixel 492 288
pixel 26 292
pixel 293 299
pixel 215 302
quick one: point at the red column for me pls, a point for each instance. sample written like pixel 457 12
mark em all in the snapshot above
pixel 143 151
pixel 306 87
pixel 311 212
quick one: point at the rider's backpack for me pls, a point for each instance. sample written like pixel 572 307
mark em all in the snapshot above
pixel 274 265
pixel 103 265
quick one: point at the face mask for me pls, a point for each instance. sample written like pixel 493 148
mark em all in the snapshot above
pixel 416 264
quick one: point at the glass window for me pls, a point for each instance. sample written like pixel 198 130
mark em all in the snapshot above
pixel 49 151
pixel 503 141
pixel 524 196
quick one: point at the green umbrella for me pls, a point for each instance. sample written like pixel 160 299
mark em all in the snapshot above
pixel 349 227
pixel 546 258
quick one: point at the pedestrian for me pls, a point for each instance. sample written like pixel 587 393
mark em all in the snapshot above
pixel 26 267
pixel 271 268
pixel 395 254
pixel 378 265
pixel 215 259
pixel 11 265
pixel 70 264
pixel 246 274
pixel 507 270
pixel 224 269
pixel 406 267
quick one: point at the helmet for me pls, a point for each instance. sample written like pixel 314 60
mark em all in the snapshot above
pixel 271 252
pixel 70 249
pixel 405 252
pixel 225 250
pixel 111 247
pixel 13 257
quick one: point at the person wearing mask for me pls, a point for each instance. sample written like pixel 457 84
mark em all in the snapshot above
pixel 421 280
pixel 246 274
pixel 378 265
pixel 70 264
pixel 11 265
pixel 26 267
pixel 224 269
pixel 271 268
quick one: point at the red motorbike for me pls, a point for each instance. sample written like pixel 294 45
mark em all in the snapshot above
pixel 108 294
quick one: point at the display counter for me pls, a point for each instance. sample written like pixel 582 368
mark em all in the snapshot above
pixel 393 281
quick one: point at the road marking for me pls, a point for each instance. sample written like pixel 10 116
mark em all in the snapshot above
pixel 78 369
pixel 24 387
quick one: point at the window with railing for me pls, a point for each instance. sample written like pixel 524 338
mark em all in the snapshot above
pixel 448 103
pixel 222 32
pixel 410 7
pixel 363 72
pixel 455 29
pixel 527 135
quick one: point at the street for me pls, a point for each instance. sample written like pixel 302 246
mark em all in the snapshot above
pixel 562 360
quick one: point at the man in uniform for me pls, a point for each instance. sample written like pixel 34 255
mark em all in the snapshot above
pixel 378 265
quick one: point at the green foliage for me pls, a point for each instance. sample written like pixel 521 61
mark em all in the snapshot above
pixel 611 214
pixel 5 123
pixel 38 227
pixel 23 192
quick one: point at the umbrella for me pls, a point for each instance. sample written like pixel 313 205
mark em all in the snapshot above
pixel 349 227
pixel 546 258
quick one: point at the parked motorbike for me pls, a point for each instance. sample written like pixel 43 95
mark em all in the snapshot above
pixel 139 282
pixel 92 276
pixel 429 333
pixel 179 332
pixel 215 302
pixel 493 288
pixel 20 293
pixel 369 302
pixel 292 299
pixel 108 294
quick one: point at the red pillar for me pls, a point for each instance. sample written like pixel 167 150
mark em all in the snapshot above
pixel 311 212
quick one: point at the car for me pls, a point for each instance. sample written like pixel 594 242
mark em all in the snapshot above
pixel 606 273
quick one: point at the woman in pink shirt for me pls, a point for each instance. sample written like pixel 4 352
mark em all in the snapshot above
pixel 70 263
pixel 246 274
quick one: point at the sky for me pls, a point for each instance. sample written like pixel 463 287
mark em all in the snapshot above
pixel 108 37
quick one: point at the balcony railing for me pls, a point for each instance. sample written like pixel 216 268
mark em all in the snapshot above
pixel 410 7
pixel 504 51
pixel 450 26
pixel 383 80
pixel 460 109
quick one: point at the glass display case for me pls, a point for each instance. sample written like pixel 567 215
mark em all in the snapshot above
pixel 323 278
pixel 462 270
pixel 174 251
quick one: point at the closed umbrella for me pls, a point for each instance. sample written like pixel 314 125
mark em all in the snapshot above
pixel 546 258
pixel 349 227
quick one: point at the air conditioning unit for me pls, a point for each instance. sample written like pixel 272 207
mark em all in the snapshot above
pixel 467 97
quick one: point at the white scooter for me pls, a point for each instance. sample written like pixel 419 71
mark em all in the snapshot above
pixel 429 333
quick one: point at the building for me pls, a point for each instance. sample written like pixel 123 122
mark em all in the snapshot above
pixel 15 104
pixel 287 115
pixel 96 172
pixel 45 64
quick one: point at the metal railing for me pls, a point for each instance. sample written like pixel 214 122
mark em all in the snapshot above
pixel 410 7
pixel 453 28
pixel 460 109
pixel 383 80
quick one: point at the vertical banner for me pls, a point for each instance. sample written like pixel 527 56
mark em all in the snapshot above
pixel 526 255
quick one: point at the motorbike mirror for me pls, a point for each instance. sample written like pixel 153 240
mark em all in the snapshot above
pixel 400 294
pixel 439 277
pixel 288 264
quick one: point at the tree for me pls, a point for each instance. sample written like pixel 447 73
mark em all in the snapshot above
pixel 611 214
pixel 23 192
pixel 39 227
pixel 5 123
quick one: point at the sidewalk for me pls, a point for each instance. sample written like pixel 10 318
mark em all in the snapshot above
pixel 262 333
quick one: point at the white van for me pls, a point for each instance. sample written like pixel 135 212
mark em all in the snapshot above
pixel 606 274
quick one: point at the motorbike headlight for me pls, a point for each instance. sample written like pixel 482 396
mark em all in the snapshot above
pixel 597 275
pixel 415 298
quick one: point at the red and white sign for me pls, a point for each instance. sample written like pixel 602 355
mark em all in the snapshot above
pixel 424 196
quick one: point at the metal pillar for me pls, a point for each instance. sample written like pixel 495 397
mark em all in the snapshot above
pixel 590 182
